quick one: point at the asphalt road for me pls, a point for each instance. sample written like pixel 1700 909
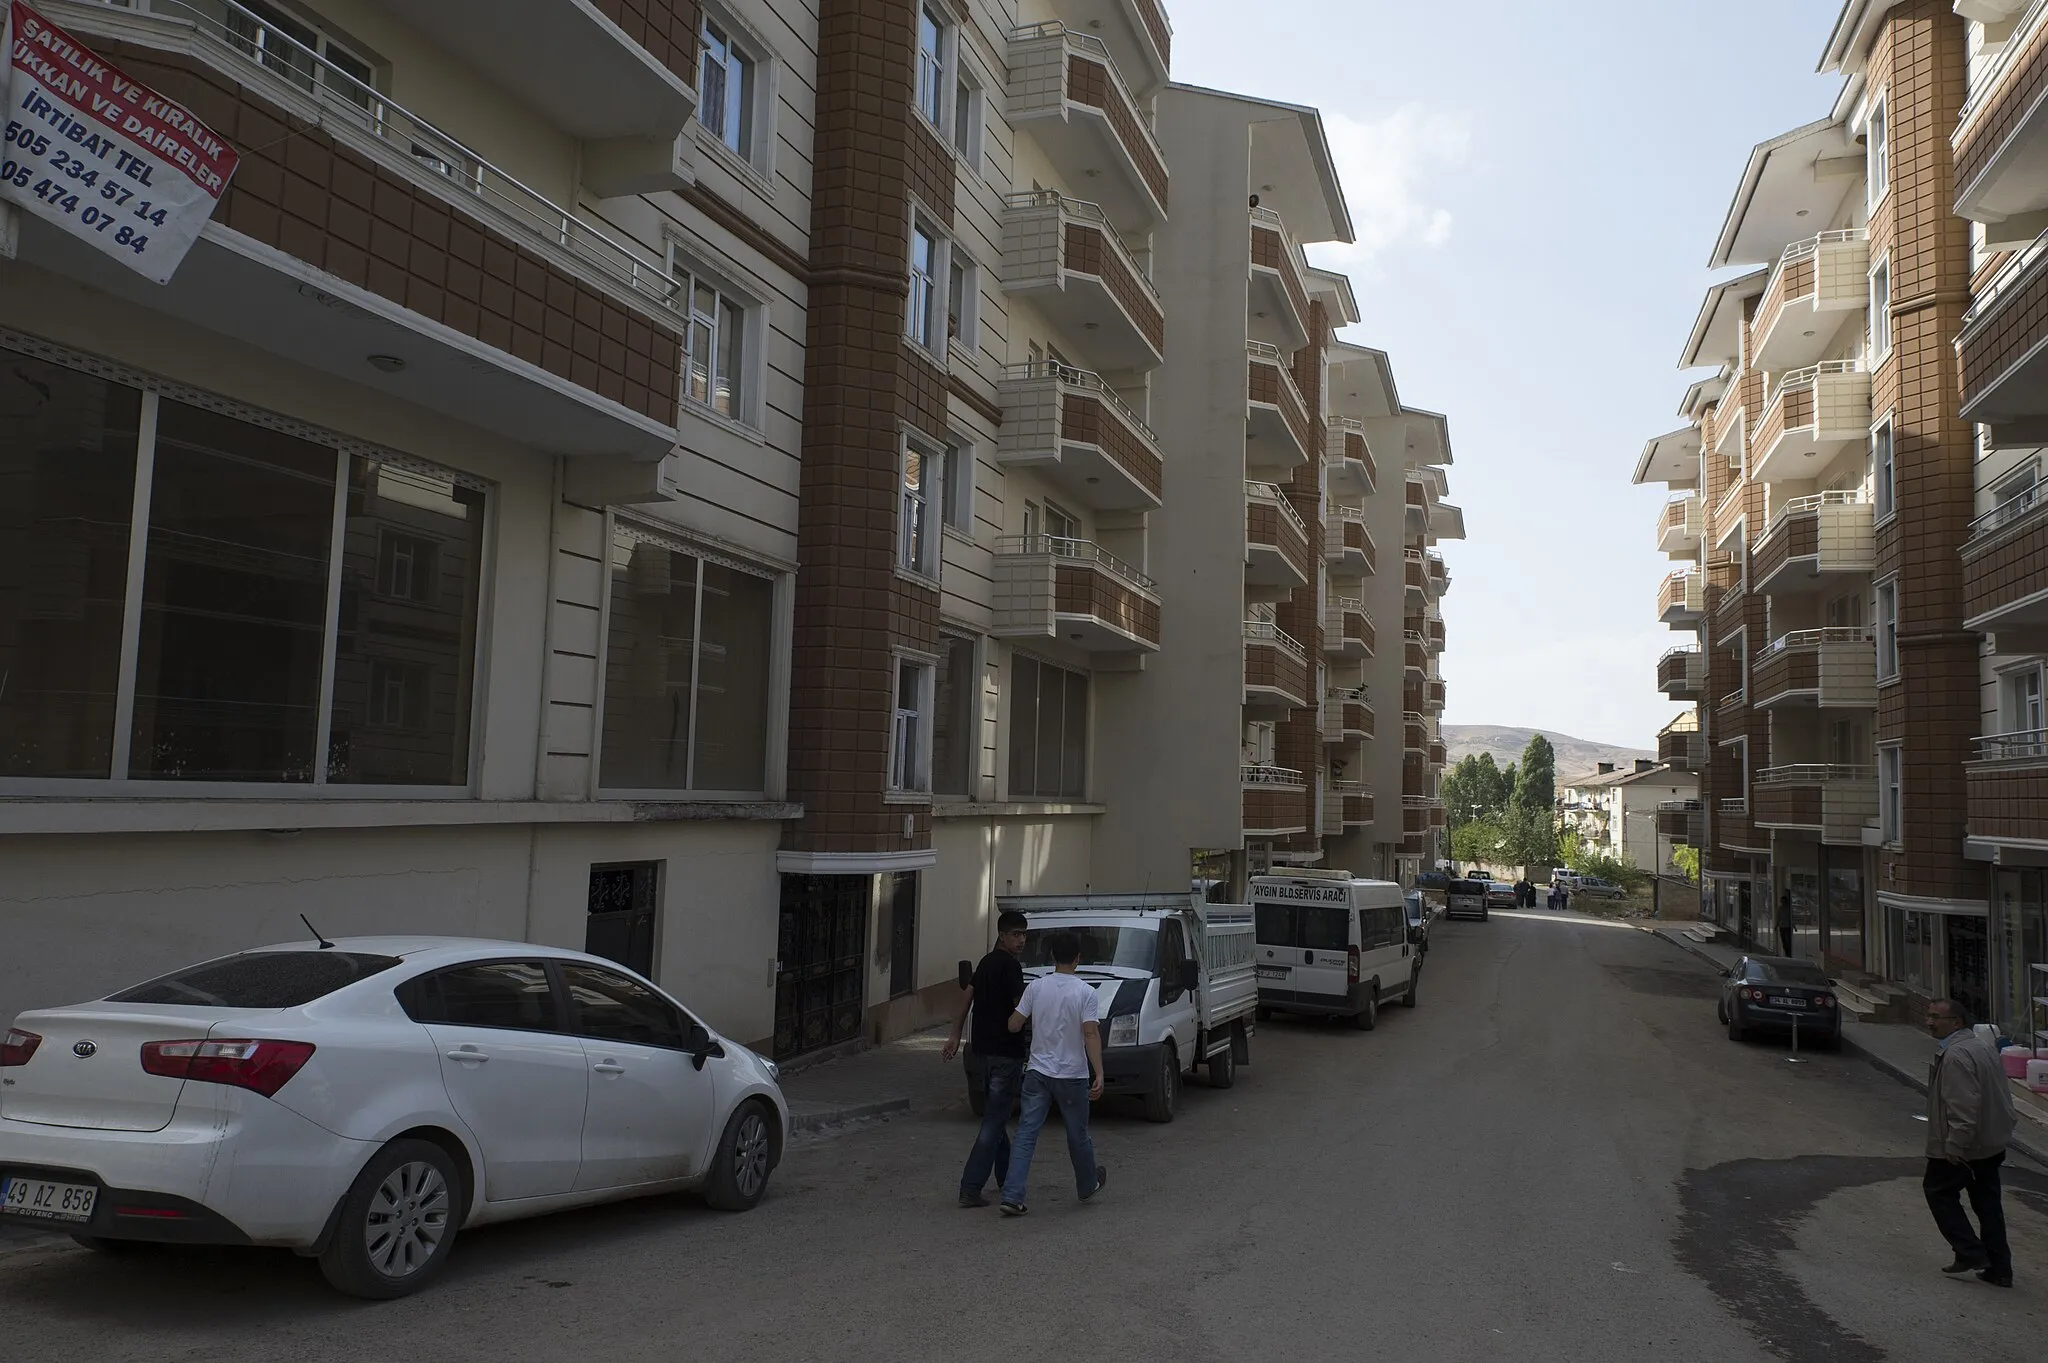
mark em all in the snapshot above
pixel 1558 1155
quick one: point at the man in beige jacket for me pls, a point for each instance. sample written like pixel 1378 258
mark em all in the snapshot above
pixel 1969 1121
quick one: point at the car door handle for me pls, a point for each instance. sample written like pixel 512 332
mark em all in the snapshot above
pixel 609 1067
pixel 467 1054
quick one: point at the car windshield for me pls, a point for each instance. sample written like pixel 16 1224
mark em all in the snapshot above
pixel 1133 947
pixel 259 979
pixel 1788 972
pixel 1414 903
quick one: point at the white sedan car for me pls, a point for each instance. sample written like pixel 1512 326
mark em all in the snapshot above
pixel 363 1100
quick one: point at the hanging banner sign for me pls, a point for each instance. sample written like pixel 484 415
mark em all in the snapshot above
pixel 106 159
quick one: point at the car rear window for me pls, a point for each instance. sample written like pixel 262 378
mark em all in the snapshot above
pixel 1468 887
pixel 1792 972
pixel 259 979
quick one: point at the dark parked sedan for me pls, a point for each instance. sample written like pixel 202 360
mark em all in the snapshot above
pixel 1776 993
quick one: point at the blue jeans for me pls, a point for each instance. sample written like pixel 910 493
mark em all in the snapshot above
pixel 991 1153
pixel 1040 1093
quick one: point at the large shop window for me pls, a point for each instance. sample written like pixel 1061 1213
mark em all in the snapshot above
pixel 229 637
pixel 956 721
pixel 1048 731
pixel 686 670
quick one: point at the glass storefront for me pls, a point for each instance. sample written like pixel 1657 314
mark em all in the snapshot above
pixel 2019 940
pixel 1941 955
pixel 1844 910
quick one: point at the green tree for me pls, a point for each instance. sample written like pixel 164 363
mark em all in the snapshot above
pixel 1687 860
pixel 1475 788
pixel 1536 786
pixel 1484 839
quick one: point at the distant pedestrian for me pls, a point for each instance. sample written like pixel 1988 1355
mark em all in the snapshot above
pixel 1969 1121
pixel 998 985
pixel 1785 922
pixel 1564 898
pixel 1065 1068
pixel 1528 893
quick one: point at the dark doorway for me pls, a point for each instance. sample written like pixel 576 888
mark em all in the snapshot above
pixel 900 894
pixel 820 960
pixel 624 902
pixel 1969 962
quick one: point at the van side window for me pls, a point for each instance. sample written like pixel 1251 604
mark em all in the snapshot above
pixel 1325 929
pixel 1172 952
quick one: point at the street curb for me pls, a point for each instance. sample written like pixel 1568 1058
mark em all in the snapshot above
pixel 806 1122
pixel 2033 1150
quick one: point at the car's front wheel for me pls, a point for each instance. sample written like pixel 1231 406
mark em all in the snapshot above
pixel 1164 1099
pixel 397 1222
pixel 745 1155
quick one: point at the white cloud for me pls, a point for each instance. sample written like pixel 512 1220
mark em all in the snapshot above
pixel 1390 168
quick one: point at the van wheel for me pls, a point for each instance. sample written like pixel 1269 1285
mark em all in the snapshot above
pixel 1223 1066
pixel 1164 1099
pixel 1414 983
pixel 1368 1017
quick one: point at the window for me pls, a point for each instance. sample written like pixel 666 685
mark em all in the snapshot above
pixel 725 97
pixel 956 719
pixel 2015 491
pixel 514 996
pixel 398 695
pixel 923 498
pixel 1048 731
pixel 612 1007
pixel 962 296
pixel 1877 152
pixel 1880 311
pixel 687 665
pixel 910 753
pixel 901 891
pixel 1882 472
pixel 966 116
pixel 933 36
pixel 621 905
pixel 2021 701
pixel 246 611
pixel 714 347
pixel 1062 528
pixel 1845 612
pixel 1889 805
pixel 957 481
pixel 924 270
pixel 301 53
pixel 259 979
pixel 1173 953
pixel 1887 630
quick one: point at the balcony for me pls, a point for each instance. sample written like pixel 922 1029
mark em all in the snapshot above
pixel 1433 626
pixel 2006 787
pixel 1349 458
pixel 1349 715
pixel 2005 564
pixel 1067 258
pixel 1433 697
pixel 1354 800
pixel 1135 31
pixel 1815 544
pixel 1347 630
pixel 1439 756
pixel 1415 650
pixel 1072 590
pixel 1439 575
pixel 1416 498
pixel 1068 95
pixel 1074 430
pixel 1819 286
pixel 1833 801
pixel 2004 365
pixel 1276 671
pixel 2000 143
pixel 1727 599
pixel 1680 744
pixel 1276 555
pixel 1421 584
pixel 1416 815
pixel 1814 414
pixel 1725 434
pixel 1414 733
pixel 1683 821
pixel 1347 545
pixel 1833 669
pixel 1276 428
pixel 505 310
pixel 1681 673
pixel 1679 526
pixel 1277 304
pixel 1681 600
pixel 1275 801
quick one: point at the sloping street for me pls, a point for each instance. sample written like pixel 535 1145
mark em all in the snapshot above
pixel 1557 1155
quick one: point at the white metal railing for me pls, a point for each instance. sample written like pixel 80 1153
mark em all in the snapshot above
pixel 1738 804
pixel 1025 200
pixel 1086 551
pixel 1348 603
pixel 1799 250
pixel 1812 774
pixel 2009 510
pixel 1671 653
pixel 1266 217
pixel 1678 806
pixel 281 57
pixel 1411 555
pixel 1799 506
pixel 1808 376
pixel 1270 493
pixel 2008 276
pixel 1420 801
pixel 1814 638
pixel 1346 787
pixel 1266 632
pixel 1262 774
pixel 2007 747
pixel 1995 70
pixel 1738 696
pixel 1088 380
pixel 1360 695
pixel 1096 51
pixel 1269 353
pixel 1341 512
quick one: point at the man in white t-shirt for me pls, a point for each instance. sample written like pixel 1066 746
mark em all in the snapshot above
pixel 1065 1068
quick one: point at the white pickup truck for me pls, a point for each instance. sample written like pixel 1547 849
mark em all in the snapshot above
pixel 1173 983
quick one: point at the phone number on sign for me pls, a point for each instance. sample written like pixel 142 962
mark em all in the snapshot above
pixel 71 186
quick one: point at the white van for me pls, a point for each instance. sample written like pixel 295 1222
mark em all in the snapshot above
pixel 1327 943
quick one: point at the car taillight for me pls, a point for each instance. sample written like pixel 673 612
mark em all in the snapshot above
pixel 260 1066
pixel 1825 1001
pixel 1753 995
pixel 18 1046
pixel 1351 964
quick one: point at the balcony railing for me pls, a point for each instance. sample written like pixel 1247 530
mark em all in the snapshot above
pixel 1738 805
pixel 1273 251
pixel 1814 638
pixel 1261 774
pixel 1048 237
pixel 2010 510
pixel 1049 70
pixel 2021 745
pixel 2003 96
pixel 1271 384
pixel 1812 773
pixel 1270 493
pixel 1073 425
pixel 1825 278
pixel 1266 632
pixel 1080 550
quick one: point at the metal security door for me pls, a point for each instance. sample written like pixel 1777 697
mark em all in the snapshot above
pixel 820 969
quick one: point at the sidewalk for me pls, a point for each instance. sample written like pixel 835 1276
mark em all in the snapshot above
pixel 905 1075
pixel 1903 1052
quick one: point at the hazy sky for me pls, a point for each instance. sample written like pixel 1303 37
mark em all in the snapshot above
pixel 1535 189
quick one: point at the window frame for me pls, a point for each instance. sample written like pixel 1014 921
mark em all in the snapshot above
pixel 915 784
pixel 957 481
pixel 2015 679
pixel 154 389
pixel 714 28
pixel 930 90
pixel 687 271
pixel 920 550
pixel 1877 151
pixel 1885 621
pixel 1880 312
pixel 970 100
pixel 924 303
pixel 1884 489
pixel 1008 728
pixel 1891 796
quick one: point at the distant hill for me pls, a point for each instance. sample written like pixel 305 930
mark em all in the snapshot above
pixel 1575 756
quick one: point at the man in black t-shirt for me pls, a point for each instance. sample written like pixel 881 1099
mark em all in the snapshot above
pixel 998 984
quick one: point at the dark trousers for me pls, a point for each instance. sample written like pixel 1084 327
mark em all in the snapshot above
pixel 1945 1185
pixel 991 1152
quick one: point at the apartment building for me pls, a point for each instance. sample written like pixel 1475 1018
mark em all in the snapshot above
pixel 1847 496
pixel 1617 810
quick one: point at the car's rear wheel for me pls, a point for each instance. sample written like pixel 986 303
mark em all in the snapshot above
pixel 1736 1031
pixel 1414 983
pixel 1368 1017
pixel 741 1164
pixel 1223 1066
pixel 397 1223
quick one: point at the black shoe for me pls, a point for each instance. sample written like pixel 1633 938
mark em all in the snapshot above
pixel 1101 1177
pixel 973 1200
pixel 1995 1279
pixel 1014 1209
pixel 1962 1266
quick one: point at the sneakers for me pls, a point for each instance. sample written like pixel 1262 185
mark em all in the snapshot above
pixel 1014 1209
pixel 1995 1279
pixel 973 1200
pixel 1101 1177
pixel 1962 1266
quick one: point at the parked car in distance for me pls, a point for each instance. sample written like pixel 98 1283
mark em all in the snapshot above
pixel 1500 895
pixel 1597 887
pixel 1775 993
pixel 365 1100
pixel 1331 945
pixel 1420 916
pixel 1466 899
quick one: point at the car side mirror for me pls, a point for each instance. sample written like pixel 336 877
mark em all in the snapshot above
pixel 700 1045
pixel 1190 975
pixel 966 974
pixel 1415 936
